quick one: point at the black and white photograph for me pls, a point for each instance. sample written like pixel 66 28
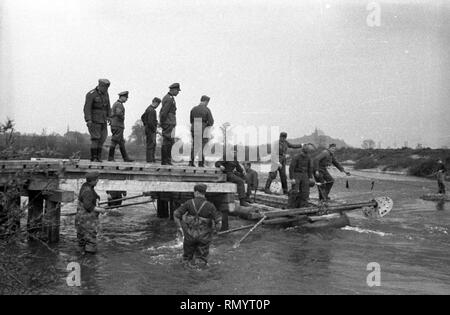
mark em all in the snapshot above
pixel 224 153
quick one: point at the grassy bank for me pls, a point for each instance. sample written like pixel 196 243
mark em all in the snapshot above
pixel 416 162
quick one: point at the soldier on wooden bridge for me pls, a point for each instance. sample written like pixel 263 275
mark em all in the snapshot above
pixel 96 114
pixel 150 121
pixel 201 115
pixel 236 175
pixel 168 121
pixel 117 128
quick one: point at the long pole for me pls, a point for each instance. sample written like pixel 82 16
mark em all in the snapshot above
pixel 236 245
pixel 312 210
pixel 129 204
pixel 121 199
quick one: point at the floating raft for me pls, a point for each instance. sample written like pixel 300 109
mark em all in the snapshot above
pixel 314 216
pixel 436 197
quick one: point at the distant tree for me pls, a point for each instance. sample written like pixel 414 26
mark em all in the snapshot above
pixel 137 133
pixel 368 144
pixel 7 129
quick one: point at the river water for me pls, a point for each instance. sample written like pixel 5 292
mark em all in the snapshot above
pixel 139 253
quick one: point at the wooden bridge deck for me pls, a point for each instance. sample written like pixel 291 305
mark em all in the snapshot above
pixel 50 182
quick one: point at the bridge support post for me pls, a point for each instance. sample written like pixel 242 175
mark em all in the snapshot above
pixel 162 208
pixel 52 219
pixel 35 213
pixel 52 213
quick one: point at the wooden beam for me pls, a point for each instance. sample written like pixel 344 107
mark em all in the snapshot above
pixel 59 195
pixel 141 186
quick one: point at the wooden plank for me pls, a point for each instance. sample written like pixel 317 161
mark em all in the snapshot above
pixel 153 186
pixel 43 184
pixel 59 195
pixel 121 173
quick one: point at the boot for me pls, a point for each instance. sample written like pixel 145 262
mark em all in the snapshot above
pixel 111 153
pixel 93 154
pixel 244 203
pixel 191 164
pixel 124 154
pixel 99 155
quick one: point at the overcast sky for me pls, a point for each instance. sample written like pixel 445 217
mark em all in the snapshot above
pixel 293 64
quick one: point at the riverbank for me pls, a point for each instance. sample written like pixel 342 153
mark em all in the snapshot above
pixel 405 161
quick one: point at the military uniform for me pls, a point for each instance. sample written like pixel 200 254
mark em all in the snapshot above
pixel 251 178
pixel 168 121
pixel 230 168
pixel 197 216
pixel 203 114
pixel 321 163
pixel 301 169
pixel 117 127
pixel 96 114
pixel 441 178
pixel 150 121
pixel 86 220
pixel 283 146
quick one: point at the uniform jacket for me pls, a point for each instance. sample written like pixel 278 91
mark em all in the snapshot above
pixel 230 166
pixel 87 199
pixel 326 159
pixel 284 145
pixel 118 115
pixel 97 107
pixel 204 113
pixel 149 119
pixel 167 115
pixel 301 164
pixel 252 178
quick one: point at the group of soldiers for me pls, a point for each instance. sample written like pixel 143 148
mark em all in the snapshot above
pixel 98 114
pixel 196 218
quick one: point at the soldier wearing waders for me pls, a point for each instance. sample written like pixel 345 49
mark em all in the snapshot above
pixel 168 121
pixel 323 178
pixel 117 128
pixel 96 114
pixel 86 220
pixel 301 173
pixel 196 220
pixel 440 175
pixel 150 121
pixel 283 145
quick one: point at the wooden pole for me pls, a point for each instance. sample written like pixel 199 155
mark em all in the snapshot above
pixel 120 199
pixel 235 229
pixel 129 204
pixel 236 245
